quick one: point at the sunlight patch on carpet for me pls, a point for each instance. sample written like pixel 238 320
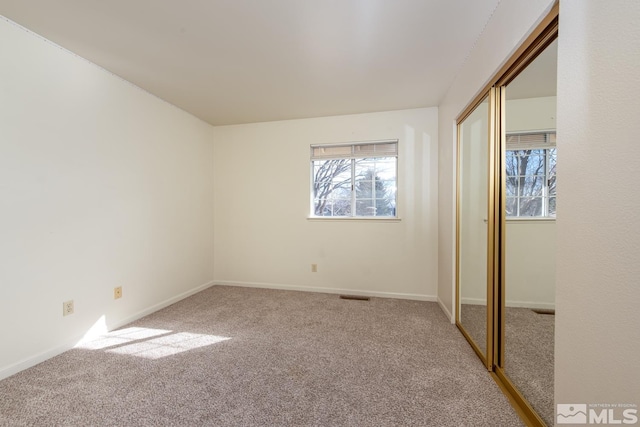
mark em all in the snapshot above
pixel 150 343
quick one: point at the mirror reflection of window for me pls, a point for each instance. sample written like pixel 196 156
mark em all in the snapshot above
pixel 531 174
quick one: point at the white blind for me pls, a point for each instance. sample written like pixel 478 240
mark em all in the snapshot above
pixel 354 151
pixel 529 141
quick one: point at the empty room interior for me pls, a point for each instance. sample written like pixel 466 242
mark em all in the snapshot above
pixel 357 212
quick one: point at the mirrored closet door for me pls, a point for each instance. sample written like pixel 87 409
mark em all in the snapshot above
pixel 473 199
pixel 506 208
pixel 529 179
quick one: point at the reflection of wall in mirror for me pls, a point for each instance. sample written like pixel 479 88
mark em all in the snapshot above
pixel 531 114
pixel 473 207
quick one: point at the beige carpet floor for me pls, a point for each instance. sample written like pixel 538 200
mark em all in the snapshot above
pixel 252 357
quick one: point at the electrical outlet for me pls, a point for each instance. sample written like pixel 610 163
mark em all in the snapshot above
pixel 314 268
pixel 117 292
pixel 67 308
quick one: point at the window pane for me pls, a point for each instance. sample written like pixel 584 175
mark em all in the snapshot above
pixel 553 159
pixel 552 185
pixel 386 169
pixel 375 186
pixel 552 206
pixel 341 207
pixel 512 206
pixel 532 185
pixel 332 187
pixel 512 186
pixel 332 207
pixel 365 168
pixel 330 175
pixel 519 185
pixel 531 165
pixel 530 206
pixel 322 207
pixel 365 208
pixel 342 180
pixel 511 163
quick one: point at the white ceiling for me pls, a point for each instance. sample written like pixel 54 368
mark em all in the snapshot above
pixel 240 61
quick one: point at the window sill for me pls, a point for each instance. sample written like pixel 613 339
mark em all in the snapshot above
pixel 352 218
pixel 532 219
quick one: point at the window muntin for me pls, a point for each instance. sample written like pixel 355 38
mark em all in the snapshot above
pixel 531 160
pixel 354 180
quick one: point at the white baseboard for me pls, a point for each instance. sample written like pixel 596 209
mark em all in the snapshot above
pixel 531 304
pixel 473 301
pixel 518 304
pixel 358 292
pixel 38 358
pixel 14 368
pixel 446 311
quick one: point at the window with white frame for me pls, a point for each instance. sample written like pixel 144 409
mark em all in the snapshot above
pixel 531 174
pixel 354 180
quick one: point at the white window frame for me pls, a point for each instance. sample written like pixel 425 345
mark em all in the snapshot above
pixel 545 196
pixel 353 156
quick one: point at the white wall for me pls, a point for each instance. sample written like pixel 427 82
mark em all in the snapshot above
pixel 262 199
pixel 508 26
pixel 101 185
pixel 598 252
pixel 531 114
pixel 530 264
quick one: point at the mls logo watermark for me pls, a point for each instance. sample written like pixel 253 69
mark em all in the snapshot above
pixel 572 413
pixel 598 413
